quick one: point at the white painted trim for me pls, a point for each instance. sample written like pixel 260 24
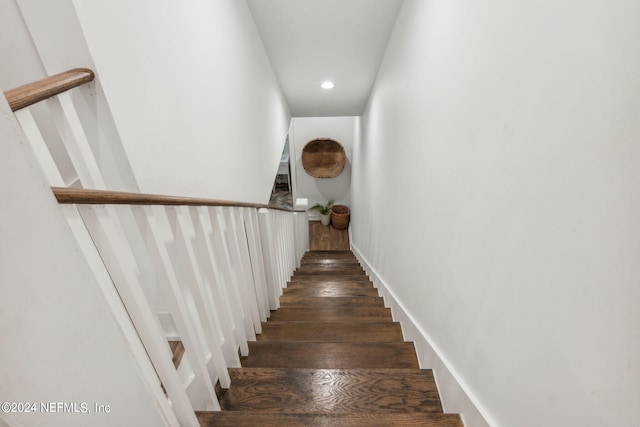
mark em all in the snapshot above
pixel 454 393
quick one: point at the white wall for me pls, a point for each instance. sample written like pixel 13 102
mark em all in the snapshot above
pixel 44 38
pixel 321 190
pixel 20 60
pixel 61 342
pixel 192 90
pixel 495 192
pixel 193 94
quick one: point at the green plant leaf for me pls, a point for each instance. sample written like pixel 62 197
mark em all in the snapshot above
pixel 323 209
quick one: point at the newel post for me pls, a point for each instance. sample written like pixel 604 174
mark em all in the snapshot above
pixel 301 226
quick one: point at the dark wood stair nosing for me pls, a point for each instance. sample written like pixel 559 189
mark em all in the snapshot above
pixel 331 355
pixel 324 390
pixel 333 279
pixel 287 301
pixel 332 313
pixel 330 292
pixel 314 419
pixel 331 331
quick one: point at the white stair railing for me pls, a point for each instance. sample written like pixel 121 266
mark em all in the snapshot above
pixel 204 272
pixel 202 267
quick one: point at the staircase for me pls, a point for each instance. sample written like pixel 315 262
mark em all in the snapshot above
pixel 330 356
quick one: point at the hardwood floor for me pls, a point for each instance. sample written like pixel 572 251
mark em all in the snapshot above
pixel 327 238
pixel 330 356
pixel 258 419
pixel 332 390
pixel 177 349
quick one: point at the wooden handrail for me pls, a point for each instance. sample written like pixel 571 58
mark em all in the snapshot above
pixel 83 196
pixel 29 94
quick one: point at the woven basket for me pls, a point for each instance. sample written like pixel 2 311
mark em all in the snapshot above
pixel 323 158
pixel 340 216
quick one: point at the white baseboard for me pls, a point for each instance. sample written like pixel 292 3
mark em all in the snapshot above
pixel 454 396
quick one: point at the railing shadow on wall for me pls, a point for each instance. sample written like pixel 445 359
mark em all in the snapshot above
pixel 204 272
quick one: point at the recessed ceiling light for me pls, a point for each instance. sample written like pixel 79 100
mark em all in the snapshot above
pixel 327 85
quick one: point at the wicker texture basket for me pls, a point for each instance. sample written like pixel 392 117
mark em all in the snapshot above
pixel 340 215
pixel 323 158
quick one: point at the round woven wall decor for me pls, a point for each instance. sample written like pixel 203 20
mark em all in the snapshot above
pixel 323 158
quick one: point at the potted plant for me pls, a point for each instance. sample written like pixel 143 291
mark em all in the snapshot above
pixel 324 211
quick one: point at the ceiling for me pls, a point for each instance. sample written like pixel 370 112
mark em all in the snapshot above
pixel 310 41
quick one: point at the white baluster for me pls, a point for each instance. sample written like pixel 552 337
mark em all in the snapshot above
pixel 243 267
pixel 225 267
pixel 266 240
pixel 41 132
pixel 291 245
pixel 102 135
pixel 40 149
pixel 277 243
pixel 283 245
pixel 220 306
pixel 257 261
pixel 201 391
pixel 237 272
pixel 114 250
pixel 71 133
pixel 184 235
pixel 120 314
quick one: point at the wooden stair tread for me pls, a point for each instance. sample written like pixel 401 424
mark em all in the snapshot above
pixel 329 275
pixel 331 390
pixel 322 302
pixel 319 271
pixel 312 278
pixel 339 331
pixel 329 258
pixel 335 257
pixel 334 291
pixel 361 284
pixel 330 355
pixel 309 256
pixel 331 314
pixel 322 252
pixel 330 262
pixel 253 419
pixel 323 264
